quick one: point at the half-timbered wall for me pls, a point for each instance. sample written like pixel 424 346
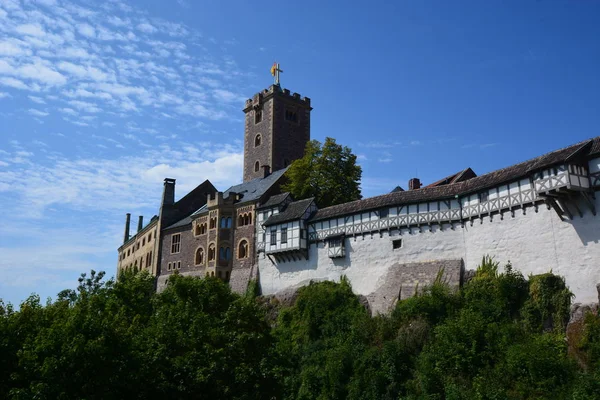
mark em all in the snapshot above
pixel 509 222
pixel 293 236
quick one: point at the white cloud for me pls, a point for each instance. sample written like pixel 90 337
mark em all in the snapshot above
pixel 38 70
pixel 85 106
pixel 107 184
pixel 38 113
pixel 14 48
pixel 86 30
pixel 227 97
pixel 83 72
pixel 4 95
pixel 68 111
pixel 31 30
pixel 37 100
pixel 14 83
pixel 146 28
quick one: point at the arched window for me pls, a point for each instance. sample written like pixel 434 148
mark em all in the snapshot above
pixel 198 230
pixel 250 219
pixel 256 166
pixel 228 253
pixel 257 140
pixel 243 249
pixel 240 220
pixel 223 222
pixel 211 252
pixel 245 219
pixel 224 253
pixel 228 222
pixel 199 256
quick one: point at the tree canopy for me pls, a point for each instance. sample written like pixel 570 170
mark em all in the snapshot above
pixel 328 172
pixel 500 336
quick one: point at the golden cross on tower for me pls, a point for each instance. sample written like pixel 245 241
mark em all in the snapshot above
pixel 275 70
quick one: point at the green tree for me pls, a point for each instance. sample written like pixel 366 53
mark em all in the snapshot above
pixel 327 172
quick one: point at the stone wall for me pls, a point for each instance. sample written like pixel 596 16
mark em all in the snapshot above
pixel 186 254
pixel 404 280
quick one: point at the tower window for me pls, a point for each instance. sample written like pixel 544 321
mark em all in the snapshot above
pixel 274 237
pixel 243 249
pixel 256 166
pixel 257 116
pixel 291 116
pixel 175 243
pixel 283 235
pixel 257 140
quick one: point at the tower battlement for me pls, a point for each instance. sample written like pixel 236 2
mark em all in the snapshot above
pixel 260 97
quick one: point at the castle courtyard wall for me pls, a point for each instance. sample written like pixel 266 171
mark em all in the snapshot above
pixel 534 242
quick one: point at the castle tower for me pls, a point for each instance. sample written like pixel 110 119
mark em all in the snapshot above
pixel 277 128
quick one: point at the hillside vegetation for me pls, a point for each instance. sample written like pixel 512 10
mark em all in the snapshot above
pixel 500 337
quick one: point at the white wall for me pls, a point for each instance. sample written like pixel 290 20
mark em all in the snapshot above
pixel 533 242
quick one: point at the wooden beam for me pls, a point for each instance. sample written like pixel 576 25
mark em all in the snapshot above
pixel 589 202
pixel 555 206
pixel 566 211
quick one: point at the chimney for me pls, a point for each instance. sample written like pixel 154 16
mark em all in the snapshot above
pixel 168 198
pixel 140 222
pixel 126 235
pixel 266 171
pixel 414 183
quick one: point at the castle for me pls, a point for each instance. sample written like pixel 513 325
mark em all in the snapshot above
pixel 540 215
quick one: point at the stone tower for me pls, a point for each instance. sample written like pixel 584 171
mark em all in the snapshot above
pixel 277 128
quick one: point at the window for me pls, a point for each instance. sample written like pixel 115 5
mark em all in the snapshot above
pixel 291 116
pixel 211 252
pixel 150 236
pixel 213 223
pixel 175 243
pixel 397 244
pixel 383 213
pixel 224 253
pixel 169 267
pixel 483 196
pixel 178 264
pixel 257 140
pixel 283 235
pixel 223 222
pixel 257 116
pixel 336 247
pixel 143 241
pixel 228 224
pixel 245 219
pixel 243 249
pixel 199 259
pixel 256 166
pixel 128 252
pixel 273 237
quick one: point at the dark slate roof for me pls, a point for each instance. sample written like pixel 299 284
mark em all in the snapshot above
pixel 251 190
pixel 475 184
pixel 275 200
pixel 292 211
pixel 254 189
pixel 182 222
pixel 460 176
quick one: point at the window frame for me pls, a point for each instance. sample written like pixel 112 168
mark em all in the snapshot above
pixel 176 245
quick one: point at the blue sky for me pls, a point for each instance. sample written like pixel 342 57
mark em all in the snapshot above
pixel 99 101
